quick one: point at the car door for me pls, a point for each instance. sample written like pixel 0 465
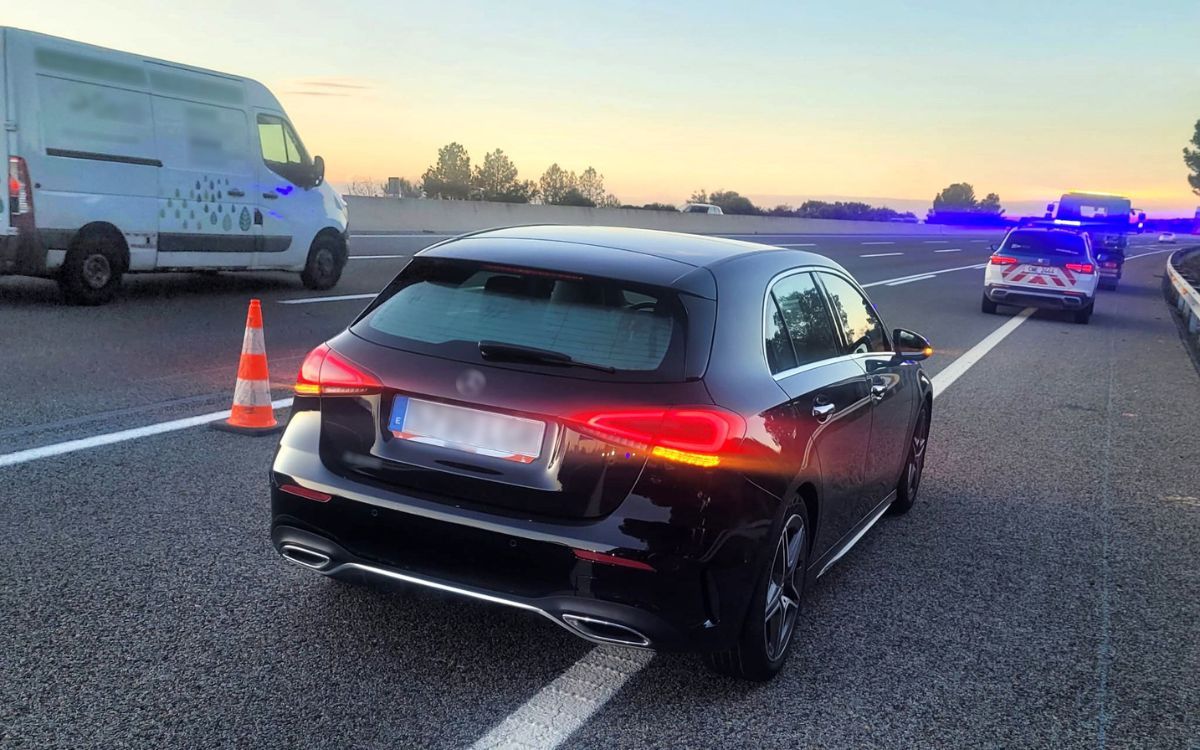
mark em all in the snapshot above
pixel 828 395
pixel 288 206
pixel 891 383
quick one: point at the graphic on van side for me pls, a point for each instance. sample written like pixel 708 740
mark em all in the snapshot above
pixel 202 207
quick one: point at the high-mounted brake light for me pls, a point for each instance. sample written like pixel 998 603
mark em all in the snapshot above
pixel 1081 267
pixel 694 435
pixel 19 194
pixel 1002 260
pixel 324 372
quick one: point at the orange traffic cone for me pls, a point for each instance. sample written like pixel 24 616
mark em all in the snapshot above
pixel 252 413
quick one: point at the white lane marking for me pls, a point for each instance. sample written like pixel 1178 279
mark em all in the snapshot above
pixel 879 243
pixel 557 710
pixel 70 446
pixel 937 242
pixel 879 255
pixel 955 369
pixel 378 257
pixel 924 275
pixel 978 240
pixel 911 279
pixel 949 250
pixel 1152 252
pixel 313 300
pixel 409 234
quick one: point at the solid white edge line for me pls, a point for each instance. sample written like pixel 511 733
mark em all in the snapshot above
pixel 911 279
pixel 955 369
pixel 337 298
pixel 377 257
pixel 70 446
pixel 556 711
pixel 879 255
pixel 393 236
pixel 924 275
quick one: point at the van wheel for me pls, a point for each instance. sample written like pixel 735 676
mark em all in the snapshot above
pixel 988 306
pixel 92 270
pixel 766 637
pixel 325 262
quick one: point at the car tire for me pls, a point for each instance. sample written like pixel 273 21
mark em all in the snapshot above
pixel 1109 285
pixel 914 465
pixel 326 259
pixel 1083 316
pixel 91 273
pixel 988 306
pixel 767 632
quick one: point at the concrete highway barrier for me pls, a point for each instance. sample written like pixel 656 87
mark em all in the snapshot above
pixel 422 215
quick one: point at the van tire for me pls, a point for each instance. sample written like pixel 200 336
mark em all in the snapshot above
pixel 92 270
pixel 326 259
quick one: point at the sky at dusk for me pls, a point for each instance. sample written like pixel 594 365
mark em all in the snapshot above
pixel 779 101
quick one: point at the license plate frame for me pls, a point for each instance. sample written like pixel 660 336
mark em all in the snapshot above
pixel 461 428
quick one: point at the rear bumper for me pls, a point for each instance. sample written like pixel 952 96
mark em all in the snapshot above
pixel 694 597
pixel 22 254
pixel 1026 297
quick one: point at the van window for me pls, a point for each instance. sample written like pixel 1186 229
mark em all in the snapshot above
pixel 861 327
pixel 446 307
pixel 806 318
pixel 281 149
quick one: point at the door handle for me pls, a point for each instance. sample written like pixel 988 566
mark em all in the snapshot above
pixel 235 193
pixel 270 196
pixel 822 411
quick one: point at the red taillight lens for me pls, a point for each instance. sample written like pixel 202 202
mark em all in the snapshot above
pixel 19 194
pixel 1002 260
pixel 607 559
pixel 304 492
pixel 696 435
pixel 324 372
pixel 1081 267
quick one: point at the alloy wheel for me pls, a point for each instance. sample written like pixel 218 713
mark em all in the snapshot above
pixel 916 461
pixel 784 586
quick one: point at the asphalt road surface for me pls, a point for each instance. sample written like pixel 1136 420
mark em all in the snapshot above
pixel 1045 592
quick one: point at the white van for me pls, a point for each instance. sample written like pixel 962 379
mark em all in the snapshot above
pixel 701 208
pixel 119 163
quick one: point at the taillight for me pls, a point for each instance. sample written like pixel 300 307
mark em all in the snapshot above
pixel 324 372
pixel 19 195
pixel 1002 260
pixel 695 435
pixel 1081 267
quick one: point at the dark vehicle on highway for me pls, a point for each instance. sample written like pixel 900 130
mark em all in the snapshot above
pixel 652 439
pixel 1107 220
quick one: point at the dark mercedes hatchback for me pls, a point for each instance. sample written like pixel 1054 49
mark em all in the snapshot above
pixel 651 439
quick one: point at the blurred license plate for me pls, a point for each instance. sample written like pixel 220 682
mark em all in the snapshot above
pixel 1042 270
pixel 486 433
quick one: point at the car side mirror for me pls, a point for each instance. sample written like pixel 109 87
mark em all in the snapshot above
pixel 318 171
pixel 911 346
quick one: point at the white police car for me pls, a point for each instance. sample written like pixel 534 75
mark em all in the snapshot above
pixel 1047 268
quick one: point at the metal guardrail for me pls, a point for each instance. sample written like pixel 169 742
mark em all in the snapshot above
pixel 1186 298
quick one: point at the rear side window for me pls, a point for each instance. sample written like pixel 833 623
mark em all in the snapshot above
pixel 860 324
pixel 780 355
pixel 806 319
pixel 446 307
pixel 1044 244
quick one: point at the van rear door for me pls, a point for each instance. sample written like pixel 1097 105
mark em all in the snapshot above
pixel 5 150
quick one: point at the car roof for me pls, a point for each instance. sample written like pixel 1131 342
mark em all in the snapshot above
pixel 672 259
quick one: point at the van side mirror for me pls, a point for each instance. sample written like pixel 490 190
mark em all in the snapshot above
pixel 911 346
pixel 318 171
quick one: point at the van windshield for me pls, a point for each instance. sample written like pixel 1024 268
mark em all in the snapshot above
pixel 447 307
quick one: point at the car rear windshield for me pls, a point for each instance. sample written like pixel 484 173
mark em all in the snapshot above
pixel 445 307
pixel 1044 245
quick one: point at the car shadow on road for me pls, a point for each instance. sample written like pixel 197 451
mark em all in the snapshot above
pixel 34 292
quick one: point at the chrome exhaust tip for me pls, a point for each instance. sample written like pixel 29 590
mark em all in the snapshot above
pixel 605 632
pixel 303 556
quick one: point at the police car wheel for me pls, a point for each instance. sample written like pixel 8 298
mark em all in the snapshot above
pixel 988 306
pixel 325 262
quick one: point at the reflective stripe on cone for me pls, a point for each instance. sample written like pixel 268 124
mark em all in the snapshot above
pixel 252 412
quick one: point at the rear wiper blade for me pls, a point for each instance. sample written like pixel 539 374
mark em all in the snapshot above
pixel 516 353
